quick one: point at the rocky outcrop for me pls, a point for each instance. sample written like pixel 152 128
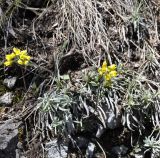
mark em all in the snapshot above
pixel 8 138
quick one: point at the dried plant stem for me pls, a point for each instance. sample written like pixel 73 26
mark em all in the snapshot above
pixel 23 77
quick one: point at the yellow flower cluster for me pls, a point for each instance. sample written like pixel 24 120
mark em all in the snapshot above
pixel 107 71
pixel 18 56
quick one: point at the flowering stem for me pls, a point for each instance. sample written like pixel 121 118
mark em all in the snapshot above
pixel 24 82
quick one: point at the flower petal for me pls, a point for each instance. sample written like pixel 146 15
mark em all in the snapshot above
pixel 8 63
pixel 20 62
pixel 112 67
pixel 22 57
pixel 104 63
pixel 104 69
pixel 23 52
pixel 113 73
pixel 26 62
pixel 16 51
pixel 10 56
pixel 28 57
pixel 107 77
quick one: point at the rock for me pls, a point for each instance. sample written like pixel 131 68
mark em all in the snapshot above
pixel 6 99
pixel 139 155
pixel 100 131
pixel 10 82
pixel 113 121
pixel 19 145
pixel 119 150
pixel 136 65
pixel 90 150
pixel 55 150
pixel 17 153
pixel 8 139
pixel 82 142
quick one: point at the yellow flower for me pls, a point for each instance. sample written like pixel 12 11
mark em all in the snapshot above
pixel 108 72
pixel 100 71
pixel 16 51
pixel 24 52
pixel 26 62
pixel 22 57
pixel 28 57
pixel 107 77
pixel 112 67
pixel 113 73
pixel 25 57
pixel 104 67
pixel 20 62
pixel 104 63
pixel 110 75
pixel 10 56
pixel 8 63
pixel 18 56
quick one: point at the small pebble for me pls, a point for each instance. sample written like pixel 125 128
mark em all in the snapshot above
pixel 6 99
pixel 10 82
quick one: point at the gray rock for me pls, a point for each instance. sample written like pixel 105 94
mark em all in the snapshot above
pixel 119 150
pixel 8 139
pixel 100 131
pixel 81 142
pixel 10 82
pixel 19 145
pixel 113 121
pixel 17 153
pixel 136 65
pixel 6 99
pixel 54 150
pixel 90 150
pixel 139 155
